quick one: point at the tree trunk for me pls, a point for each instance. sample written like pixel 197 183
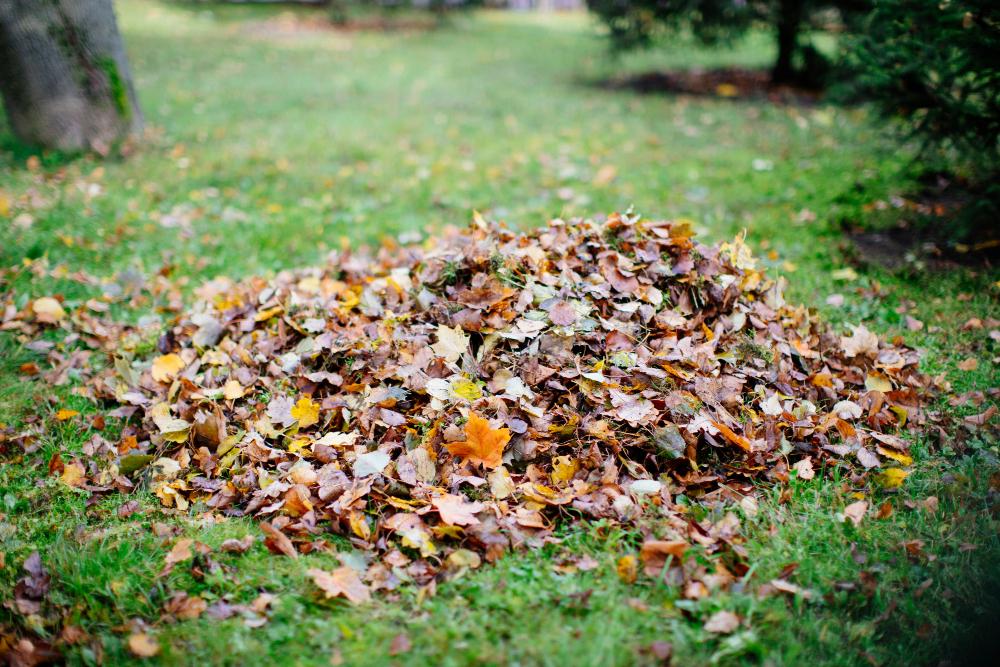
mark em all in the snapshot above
pixel 790 15
pixel 64 77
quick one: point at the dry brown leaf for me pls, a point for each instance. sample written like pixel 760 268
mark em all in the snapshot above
pixel 342 582
pixel 722 622
pixel 180 552
pixel 455 510
pixel 142 645
pixel 279 540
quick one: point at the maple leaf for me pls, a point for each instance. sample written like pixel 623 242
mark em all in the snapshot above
pixel 452 343
pixel 483 445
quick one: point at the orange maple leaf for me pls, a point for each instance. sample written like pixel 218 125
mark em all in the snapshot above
pixel 483 445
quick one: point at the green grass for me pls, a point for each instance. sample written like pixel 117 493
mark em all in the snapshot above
pixel 298 142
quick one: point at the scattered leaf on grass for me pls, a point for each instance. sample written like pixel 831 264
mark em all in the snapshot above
pixel 722 622
pixel 856 511
pixel 342 582
pixel 142 645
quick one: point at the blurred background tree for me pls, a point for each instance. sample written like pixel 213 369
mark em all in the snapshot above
pixel 64 77
pixel 644 23
pixel 934 65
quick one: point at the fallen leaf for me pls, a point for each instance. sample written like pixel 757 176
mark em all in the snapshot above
pixel 142 645
pixel 892 478
pixel 856 511
pixel 655 554
pixel 913 324
pixel 861 342
pixel 180 552
pixel 804 469
pixel 483 445
pixel 233 390
pixel 65 414
pixel 452 343
pixel 305 412
pixel 167 367
pixel 722 622
pixel 399 644
pixel 342 582
pixel 628 569
pixel 455 510
pixel 48 310
pixel 969 364
pixel 279 540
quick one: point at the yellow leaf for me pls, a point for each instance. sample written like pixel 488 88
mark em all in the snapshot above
pixel 48 309
pixel 167 367
pixel 233 390
pixel 74 474
pixel 892 478
pixel 467 389
pixel 628 569
pixel 306 412
pixel 267 314
pixel 902 458
pixel 143 645
pixel 878 382
pixel 563 469
pixel 727 90
pixel 65 414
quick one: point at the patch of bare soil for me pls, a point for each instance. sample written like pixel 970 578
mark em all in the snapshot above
pixel 732 82
pixel 920 233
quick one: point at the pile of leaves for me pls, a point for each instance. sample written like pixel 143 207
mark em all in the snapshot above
pixel 442 403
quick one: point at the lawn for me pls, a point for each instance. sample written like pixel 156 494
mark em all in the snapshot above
pixel 272 142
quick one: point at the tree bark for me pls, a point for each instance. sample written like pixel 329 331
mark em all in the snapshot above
pixel 64 77
pixel 790 15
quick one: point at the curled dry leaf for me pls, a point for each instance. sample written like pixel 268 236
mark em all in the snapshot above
pixel 277 541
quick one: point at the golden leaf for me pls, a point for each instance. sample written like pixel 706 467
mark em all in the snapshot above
pixel 306 412
pixel 167 367
pixel 483 445
pixel 233 390
pixel 65 414
pixel 628 569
